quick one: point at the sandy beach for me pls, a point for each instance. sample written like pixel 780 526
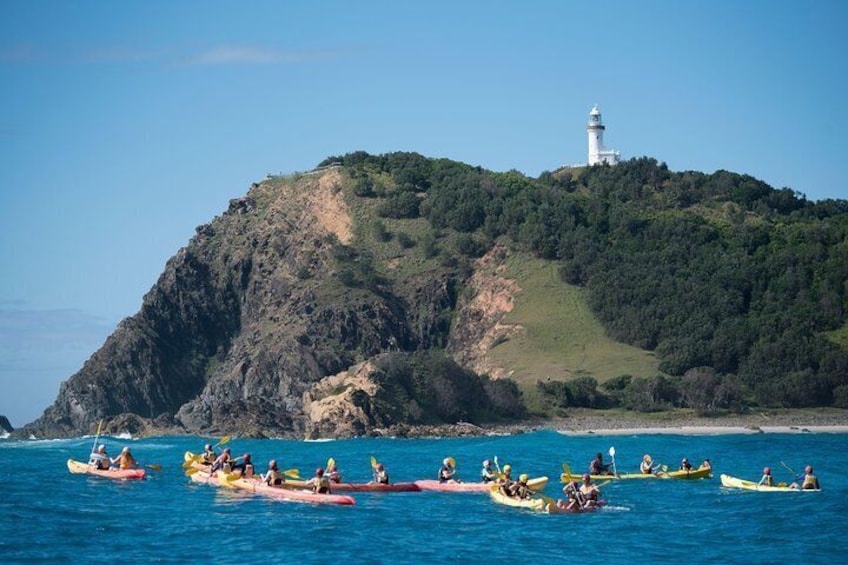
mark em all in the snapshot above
pixel 593 422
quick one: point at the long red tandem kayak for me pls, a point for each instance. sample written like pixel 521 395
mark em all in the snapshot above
pixel 80 468
pixel 259 487
pixel 536 484
pixel 355 487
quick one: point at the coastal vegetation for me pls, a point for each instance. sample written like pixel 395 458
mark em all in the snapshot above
pixel 737 289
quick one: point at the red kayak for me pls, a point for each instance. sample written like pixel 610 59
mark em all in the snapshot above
pixel 375 487
pixel 536 484
pixel 80 468
pixel 259 487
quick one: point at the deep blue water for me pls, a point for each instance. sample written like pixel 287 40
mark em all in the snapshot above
pixel 48 515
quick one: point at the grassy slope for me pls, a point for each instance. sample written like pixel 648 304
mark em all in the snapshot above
pixel 562 338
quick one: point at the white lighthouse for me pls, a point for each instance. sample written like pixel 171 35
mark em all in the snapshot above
pixel 597 153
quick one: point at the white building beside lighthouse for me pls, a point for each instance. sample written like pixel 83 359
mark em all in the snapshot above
pixel 597 152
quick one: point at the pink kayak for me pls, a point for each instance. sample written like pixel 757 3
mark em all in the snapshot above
pixel 78 467
pixel 375 487
pixel 535 484
pixel 259 487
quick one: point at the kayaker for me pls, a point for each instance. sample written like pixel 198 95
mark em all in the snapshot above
pixel 598 467
pixel 573 498
pixel 706 464
pixel 319 483
pixel 807 480
pixel 590 492
pixel 505 481
pixel 487 473
pixel 767 479
pixel 381 476
pixel 243 465
pixel 646 467
pixel 125 460
pixel 685 465
pixel 209 455
pixel 447 472
pixel 520 489
pixel 333 474
pixel 100 459
pixel 273 477
pixel 221 462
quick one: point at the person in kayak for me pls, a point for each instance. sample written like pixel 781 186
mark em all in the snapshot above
pixel 646 467
pixel 333 474
pixel 487 473
pixel 319 483
pixel 243 465
pixel 590 492
pixel 520 490
pixel 273 477
pixel 125 460
pixel 381 476
pixel 806 480
pixel 767 479
pixel 100 459
pixel 573 498
pixel 706 464
pixel 221 462
pixel 685 465
pixel 209 455
pixel 505 482
pixel 447 472
pixel 598 467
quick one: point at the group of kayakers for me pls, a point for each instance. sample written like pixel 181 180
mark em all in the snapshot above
pixel 321 481
pixel 578 495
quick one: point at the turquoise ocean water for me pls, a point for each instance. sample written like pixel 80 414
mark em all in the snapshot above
pixel 48 515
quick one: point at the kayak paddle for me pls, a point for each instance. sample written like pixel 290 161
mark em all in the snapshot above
pixel 612 454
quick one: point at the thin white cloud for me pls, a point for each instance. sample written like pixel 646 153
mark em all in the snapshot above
pixel 246 55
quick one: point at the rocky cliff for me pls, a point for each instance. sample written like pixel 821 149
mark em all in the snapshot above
pixel 274 320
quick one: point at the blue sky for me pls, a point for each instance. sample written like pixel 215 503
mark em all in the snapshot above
pixel 124 125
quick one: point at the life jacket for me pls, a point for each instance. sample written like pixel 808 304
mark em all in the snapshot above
pixel 445 474
pixel 810 482
pixel 322 485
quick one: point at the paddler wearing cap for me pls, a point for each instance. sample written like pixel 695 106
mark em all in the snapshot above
pixel 767 479
pixel 645 467
pixel 125 460
pixel 590 492
pixel 100 459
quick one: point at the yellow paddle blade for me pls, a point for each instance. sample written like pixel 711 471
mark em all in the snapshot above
pixel 292 473
pixel 225 479
pixel 567 470
pixel 331 462
pixel 452 461
pixel 373 462
pixel 224 440
pixel 191 470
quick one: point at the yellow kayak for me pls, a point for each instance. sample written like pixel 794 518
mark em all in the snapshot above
pixel 532 503
pixel 733 482
pixel 700 473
